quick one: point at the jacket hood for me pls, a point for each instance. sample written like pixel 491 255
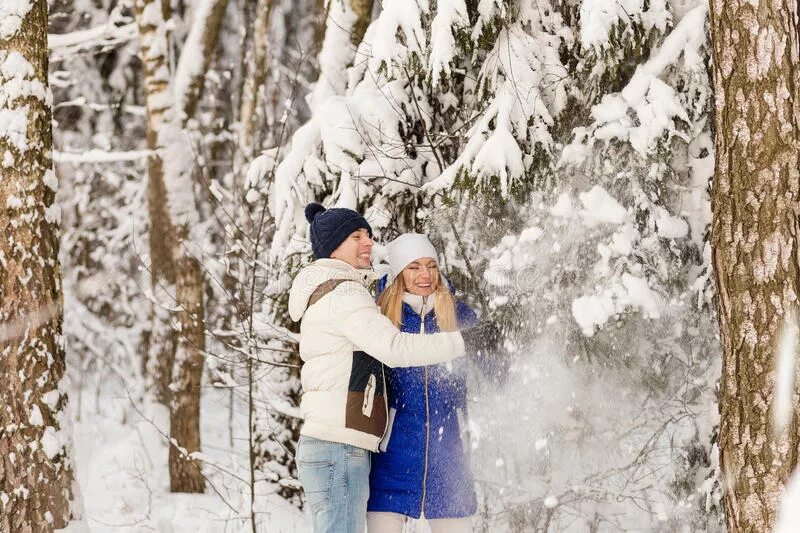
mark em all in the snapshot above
pixel 317 273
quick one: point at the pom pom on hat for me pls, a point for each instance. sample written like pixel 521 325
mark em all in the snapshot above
pixel 312 210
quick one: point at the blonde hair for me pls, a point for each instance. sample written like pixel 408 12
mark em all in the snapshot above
pixel 391 304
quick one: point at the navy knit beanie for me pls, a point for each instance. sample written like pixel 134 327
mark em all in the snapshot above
pixel 330 227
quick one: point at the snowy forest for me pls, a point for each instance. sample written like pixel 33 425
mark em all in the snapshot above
pixel 615 182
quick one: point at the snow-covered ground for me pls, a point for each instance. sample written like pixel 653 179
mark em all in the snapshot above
pixel 120 458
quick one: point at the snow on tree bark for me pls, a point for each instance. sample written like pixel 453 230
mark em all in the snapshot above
pixel 196 55
pixel 363 11
pixel 755 239
pixel 345 26
pixel 35 473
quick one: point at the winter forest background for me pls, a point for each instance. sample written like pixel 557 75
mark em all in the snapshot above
pixel 558 152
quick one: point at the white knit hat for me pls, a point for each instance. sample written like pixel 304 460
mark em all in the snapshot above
pixel 406 249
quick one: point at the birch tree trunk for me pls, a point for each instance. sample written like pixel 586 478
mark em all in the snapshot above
pixel 170 104
pixel 163 338
pixel 35 473
pixel 755 246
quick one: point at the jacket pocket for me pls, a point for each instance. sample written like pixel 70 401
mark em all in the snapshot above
pixel 365 409
pixel 369 396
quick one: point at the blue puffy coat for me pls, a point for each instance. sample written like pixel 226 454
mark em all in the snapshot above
pixel 424 468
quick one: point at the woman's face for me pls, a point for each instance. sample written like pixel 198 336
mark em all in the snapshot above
pixel 355 249
pixel 421 277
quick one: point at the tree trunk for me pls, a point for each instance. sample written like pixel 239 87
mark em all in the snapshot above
pixel 185 474
pixel 363 11
pixel 163 338
pixel 321 8
pixel 345 26
pixel 35 473
pixel 170 104
pixel 755 245
pixel 254 77
pixel 203 36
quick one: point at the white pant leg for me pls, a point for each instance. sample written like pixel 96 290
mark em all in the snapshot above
pixel 451 525
pixel 385 522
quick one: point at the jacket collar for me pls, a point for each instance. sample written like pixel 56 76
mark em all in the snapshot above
pixel 419 304
pixel 338 269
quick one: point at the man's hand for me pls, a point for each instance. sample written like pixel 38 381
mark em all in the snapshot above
pixel 483 337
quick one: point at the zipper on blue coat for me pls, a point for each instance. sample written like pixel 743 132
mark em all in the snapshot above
pixel 427 412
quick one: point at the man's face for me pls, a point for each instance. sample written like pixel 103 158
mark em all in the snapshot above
pixel 355 249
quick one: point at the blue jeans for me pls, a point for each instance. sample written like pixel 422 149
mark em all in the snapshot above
pixel 335 480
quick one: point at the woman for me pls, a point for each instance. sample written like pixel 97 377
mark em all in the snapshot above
pixel 344 338
pixel 424 469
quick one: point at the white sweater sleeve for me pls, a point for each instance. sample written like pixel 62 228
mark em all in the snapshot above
pixel 361 321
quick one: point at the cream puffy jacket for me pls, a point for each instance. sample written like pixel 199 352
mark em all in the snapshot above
pixel 344 338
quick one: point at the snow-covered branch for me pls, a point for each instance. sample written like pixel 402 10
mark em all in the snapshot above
pixel 106 34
